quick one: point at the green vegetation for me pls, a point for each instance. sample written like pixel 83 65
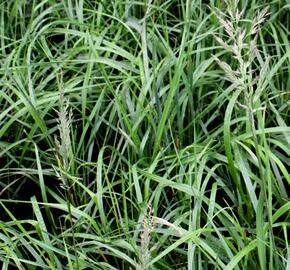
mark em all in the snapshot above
pixel 144 135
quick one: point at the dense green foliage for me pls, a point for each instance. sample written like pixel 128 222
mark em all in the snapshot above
pixel 141 135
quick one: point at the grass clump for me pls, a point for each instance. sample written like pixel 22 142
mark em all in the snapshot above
pixel 149 135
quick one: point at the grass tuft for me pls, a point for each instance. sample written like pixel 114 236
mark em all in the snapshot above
pixel 144 135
